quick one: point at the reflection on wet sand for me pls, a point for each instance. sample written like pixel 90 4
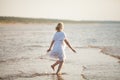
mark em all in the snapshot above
pixel 83 77
pixel 57 77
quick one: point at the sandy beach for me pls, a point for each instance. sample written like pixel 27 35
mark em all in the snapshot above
pixel 88 64
pixel 23 53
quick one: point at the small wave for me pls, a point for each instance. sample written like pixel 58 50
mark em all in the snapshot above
pixel 46 57
pixel 112 51
pixel 13 59
pixel 109 50
pixel 34 46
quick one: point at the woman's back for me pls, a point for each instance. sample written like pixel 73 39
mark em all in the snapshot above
pixel 59 36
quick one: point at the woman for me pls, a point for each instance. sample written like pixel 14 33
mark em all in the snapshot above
pixel 58 44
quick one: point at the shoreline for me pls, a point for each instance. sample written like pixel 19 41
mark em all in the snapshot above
pixel 109 50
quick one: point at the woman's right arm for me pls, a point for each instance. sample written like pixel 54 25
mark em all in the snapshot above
pixel 50 46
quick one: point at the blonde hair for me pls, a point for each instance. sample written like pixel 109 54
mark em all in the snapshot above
pixel 59 26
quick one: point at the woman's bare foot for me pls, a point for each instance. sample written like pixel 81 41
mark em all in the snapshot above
pixel 58 73
pixel 52 67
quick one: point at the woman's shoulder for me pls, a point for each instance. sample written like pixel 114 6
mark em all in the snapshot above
pixel 60 33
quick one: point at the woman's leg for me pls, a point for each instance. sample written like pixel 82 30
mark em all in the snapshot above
pixel 59 67
pixel 56 63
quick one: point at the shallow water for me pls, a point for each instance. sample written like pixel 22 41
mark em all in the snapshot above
pixel 23 48
pixel 19 38
pixel 79 34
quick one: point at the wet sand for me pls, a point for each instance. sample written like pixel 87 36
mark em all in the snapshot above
pixel 87 64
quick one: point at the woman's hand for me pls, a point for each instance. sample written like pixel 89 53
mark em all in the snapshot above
pixel 73 50
pixel 48 50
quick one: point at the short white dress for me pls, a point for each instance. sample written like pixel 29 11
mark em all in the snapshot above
pixel 58 50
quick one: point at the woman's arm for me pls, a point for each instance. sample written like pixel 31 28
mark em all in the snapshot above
pixel 66 41
pixel 50 46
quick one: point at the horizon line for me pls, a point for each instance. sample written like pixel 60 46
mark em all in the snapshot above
pixel 63 19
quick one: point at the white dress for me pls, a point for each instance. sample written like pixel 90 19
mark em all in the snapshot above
pixel 58 50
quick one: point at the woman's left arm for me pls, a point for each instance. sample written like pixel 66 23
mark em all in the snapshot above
pixel 66 41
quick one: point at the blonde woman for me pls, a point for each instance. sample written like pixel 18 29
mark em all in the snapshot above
pixel 58 44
